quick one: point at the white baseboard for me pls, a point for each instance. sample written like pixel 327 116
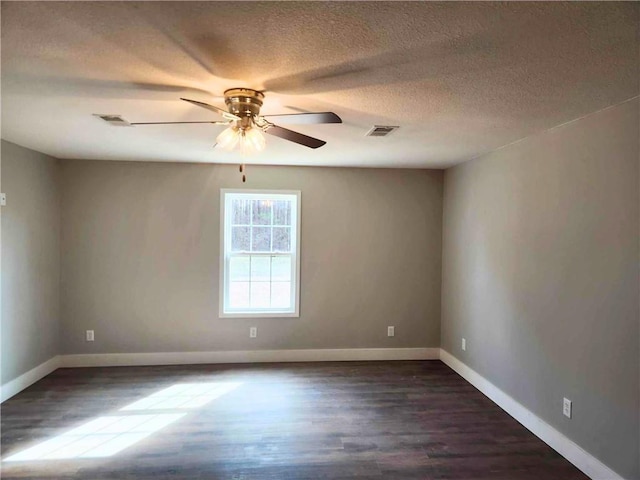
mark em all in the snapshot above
pixel 27 379
pixel 249 356
pixel 570 450
pixel 16 385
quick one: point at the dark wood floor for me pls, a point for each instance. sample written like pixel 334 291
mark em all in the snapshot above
pixel 369 420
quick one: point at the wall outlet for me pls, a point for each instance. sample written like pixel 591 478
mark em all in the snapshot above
pixel 566 408
pixel 253 332
pixel 391 331
pixel 464 344
pixel 90 337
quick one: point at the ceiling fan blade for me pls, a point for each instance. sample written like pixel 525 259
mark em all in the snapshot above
pixel 218 110
pixel 294 136
pixel 304 118
pixel 173 123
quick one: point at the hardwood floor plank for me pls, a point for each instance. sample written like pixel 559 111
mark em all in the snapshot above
pixel 338 421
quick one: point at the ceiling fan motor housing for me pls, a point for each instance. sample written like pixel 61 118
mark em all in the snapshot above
pixel 245 103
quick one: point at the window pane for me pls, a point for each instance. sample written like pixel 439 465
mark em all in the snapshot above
pixel 241 212
pixel 240 239
pixel 239 269
pixel 262 212
pixel 281 239
pixel 261 239
pixel 260 269
pixel 260 295
pixel 239 294
pixel 281 294
pixel 281 269
pixel 282 212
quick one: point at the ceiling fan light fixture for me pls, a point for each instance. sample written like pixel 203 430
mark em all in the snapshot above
pixel 250 139
pixel 229 138
pixel 246 127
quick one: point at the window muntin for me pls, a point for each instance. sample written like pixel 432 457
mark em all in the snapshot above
pixel 260 251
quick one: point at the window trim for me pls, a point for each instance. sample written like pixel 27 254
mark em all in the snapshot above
pixel 223 260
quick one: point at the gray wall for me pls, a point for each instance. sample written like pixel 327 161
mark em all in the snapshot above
pixel 30 260
pixel 141 258
pixel 540 275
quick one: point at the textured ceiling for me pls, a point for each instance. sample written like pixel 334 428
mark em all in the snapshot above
pixel 458 78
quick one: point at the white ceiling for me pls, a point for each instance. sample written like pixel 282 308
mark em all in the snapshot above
pixel 459 78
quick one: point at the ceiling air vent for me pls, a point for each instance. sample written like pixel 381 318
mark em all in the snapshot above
pixel 381 130
pixel 115 120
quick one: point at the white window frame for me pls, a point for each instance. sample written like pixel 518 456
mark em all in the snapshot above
pixel 225 251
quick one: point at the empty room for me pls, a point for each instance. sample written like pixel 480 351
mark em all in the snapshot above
pixel 320 240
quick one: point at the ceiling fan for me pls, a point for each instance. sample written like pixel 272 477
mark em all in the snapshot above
pixel 245 125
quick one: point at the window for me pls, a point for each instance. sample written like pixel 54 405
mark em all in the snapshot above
pixel 260 253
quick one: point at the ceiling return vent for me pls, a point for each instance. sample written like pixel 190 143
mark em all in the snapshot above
pixel 115 120
pixel 381 130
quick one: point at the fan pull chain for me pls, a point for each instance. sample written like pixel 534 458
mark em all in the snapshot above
pixel 244 177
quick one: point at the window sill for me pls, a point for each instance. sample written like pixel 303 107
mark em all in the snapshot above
pixel 260 315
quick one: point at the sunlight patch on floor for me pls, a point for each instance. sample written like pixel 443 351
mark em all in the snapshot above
pixel 182 396
pixel 108 435
pixel 102 437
